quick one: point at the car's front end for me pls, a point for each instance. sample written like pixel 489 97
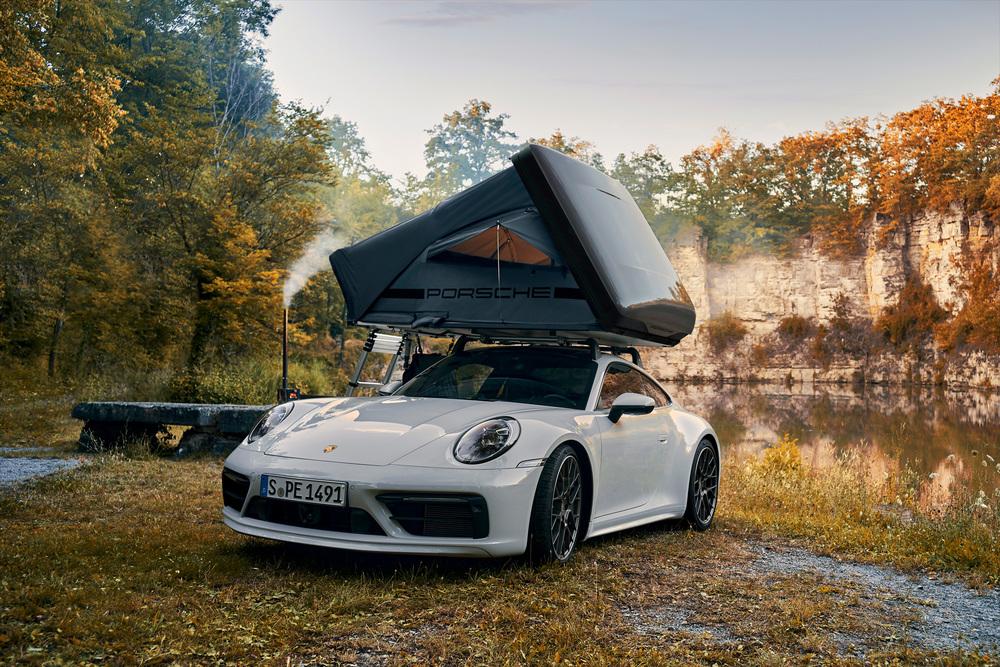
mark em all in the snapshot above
pixel 390 509
pixel 387 474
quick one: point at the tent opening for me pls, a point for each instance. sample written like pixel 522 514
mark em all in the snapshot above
pixel 500 242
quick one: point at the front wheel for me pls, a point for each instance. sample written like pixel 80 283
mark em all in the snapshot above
pixel 557 513
pixel 703 488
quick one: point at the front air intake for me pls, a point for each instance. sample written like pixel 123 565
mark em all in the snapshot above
pixel 234 489
pixel 312 515
pixel 462 516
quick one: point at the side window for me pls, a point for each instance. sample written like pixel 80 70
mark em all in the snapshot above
pixel 654 391
pixel 620 380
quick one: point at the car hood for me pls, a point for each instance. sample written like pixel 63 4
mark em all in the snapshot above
pixel 378 431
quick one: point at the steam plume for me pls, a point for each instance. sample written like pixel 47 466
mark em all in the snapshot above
pixel 315 258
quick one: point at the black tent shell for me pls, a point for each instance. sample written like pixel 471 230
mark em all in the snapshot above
pixel 549 247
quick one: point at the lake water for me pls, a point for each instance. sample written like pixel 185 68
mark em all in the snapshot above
pixel 950 439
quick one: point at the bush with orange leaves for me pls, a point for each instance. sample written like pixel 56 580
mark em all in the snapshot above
pixel 912 319
pixel 977 323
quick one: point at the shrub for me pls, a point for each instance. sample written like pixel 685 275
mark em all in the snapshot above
pixel 841 320
pixel 248 382
pixel 977 324
pixel 849 334
pixel 760 354
pixel 913 317
pixel 795 327
pixel 818 347
pixel 318 377
pixel 782 458
pixel 724 331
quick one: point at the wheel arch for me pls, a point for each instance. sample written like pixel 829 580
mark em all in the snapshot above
pixel 588 482
pixel 714 439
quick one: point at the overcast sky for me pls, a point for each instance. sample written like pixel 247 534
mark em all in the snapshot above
pixel 624 75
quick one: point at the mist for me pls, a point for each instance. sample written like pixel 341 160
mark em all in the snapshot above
pixel 315 258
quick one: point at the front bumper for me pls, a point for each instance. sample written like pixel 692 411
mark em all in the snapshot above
pixel 508 493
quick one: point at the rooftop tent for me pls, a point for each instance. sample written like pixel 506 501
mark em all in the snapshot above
pixel 547 247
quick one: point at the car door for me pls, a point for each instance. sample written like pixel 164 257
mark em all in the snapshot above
pixel 669 487
pixel 631 452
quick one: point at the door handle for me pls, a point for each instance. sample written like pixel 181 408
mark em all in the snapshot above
pixel 663 439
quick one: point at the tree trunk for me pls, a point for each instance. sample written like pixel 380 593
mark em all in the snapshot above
pixel 57 328
pixel 203 328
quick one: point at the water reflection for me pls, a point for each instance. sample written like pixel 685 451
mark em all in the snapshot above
pixel 949 439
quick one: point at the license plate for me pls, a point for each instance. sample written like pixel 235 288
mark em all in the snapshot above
pixel 304 490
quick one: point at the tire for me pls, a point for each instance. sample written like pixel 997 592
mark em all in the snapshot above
pixel 703 487
pixel 557 513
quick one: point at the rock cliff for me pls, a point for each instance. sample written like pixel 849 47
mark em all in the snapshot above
pixel 761 290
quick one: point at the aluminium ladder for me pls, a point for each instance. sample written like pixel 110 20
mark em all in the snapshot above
pixel 382 343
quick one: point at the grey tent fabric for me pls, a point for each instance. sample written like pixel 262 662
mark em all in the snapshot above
pixel 367 268
pixel 574 258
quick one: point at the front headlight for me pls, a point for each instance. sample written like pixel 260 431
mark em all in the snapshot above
pixel 268 422
pixel 488 440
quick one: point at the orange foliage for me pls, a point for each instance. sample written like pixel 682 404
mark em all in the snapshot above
pixel 827 182
pixel 977 323
pixel 724 331
pixel 913 316
pixel 795 327
pixel 942 153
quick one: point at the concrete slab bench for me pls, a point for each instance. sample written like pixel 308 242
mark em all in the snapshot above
pixel 214 428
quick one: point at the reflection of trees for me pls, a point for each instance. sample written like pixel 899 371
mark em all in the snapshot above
pixel 890 430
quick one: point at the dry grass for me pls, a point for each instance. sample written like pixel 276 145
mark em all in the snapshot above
pixel 126 561
pixel 35 413
pixel 841 509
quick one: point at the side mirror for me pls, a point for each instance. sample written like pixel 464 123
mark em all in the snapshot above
pixel 630 404
pixel 389 387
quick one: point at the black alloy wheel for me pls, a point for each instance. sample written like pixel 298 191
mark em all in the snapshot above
pixel 557 514
pixel 703 489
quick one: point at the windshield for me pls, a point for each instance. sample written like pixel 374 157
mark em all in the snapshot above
pixel 558 377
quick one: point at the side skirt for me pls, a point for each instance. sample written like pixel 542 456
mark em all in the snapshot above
pixel 611 524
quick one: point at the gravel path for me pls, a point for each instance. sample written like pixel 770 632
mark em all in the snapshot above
pixel 951 615
pixel 14 470
pixel 23 450
pixel 881 605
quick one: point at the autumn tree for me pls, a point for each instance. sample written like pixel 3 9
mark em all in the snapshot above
pixel 825 183
pixel 575 147
pixel 58 112
pixel 942 154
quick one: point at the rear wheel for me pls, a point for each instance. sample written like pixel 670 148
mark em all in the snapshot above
pixel 703 488
pixel 557 513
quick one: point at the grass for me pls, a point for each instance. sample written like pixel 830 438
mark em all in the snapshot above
pixel 126 561
pixel 36 414
pixel 841 509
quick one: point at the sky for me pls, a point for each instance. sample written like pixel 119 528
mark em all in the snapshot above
pixel 624 75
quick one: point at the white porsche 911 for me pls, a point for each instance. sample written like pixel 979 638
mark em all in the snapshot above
pixel 492 451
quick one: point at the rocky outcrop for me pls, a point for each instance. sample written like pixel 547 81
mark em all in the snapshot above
pixel 761 290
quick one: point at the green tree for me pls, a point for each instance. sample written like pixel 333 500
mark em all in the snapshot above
pixel 728 189
pixel 468 146
pixel 650 179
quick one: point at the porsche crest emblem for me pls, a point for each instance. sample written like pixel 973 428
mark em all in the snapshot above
pixel 327 450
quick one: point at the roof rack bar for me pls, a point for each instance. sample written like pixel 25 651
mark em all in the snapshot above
pixel 634 353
